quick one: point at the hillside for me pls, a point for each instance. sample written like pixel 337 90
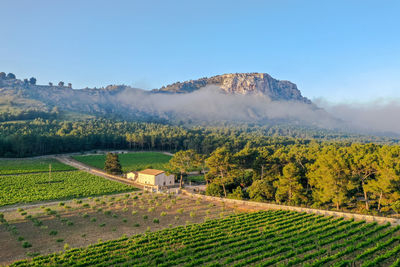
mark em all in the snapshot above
pixel 244 84
pixel 240 97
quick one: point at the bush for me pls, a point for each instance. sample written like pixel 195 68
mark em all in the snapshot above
pixel 180 210
pixel 93 219
pixel 66 246
pixel 21 238
pixel 163 213
pixel 134 212
pixel 136 225
pixel 214 190
pixel 53 232
pixel 145 217
pixel 156 220
pixel 60 240
pixel 26 244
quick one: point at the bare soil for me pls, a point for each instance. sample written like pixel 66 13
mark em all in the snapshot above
pixel 103 218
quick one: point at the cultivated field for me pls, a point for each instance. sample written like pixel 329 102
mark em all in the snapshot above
pixel 18 166
pixel 26 188
pixel 79 223
pixel 278 238
pixel 129 161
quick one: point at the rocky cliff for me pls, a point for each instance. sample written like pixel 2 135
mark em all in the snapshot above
pixel 243 84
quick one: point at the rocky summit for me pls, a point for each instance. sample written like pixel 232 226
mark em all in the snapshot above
pixel 242 83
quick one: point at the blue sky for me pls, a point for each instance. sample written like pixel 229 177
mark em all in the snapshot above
pixel 338 50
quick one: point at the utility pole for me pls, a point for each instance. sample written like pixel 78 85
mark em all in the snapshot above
pixel 262 171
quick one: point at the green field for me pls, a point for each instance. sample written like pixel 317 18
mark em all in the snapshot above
pixel 26 188
pixel 196 178
pixel 272 238
pixel 17 166
pixel 129 161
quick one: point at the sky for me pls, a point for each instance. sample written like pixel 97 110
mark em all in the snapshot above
pixel 335 51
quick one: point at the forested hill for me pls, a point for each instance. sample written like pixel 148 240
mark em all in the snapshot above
pixel 240 97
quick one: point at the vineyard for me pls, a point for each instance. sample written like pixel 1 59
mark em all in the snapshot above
pixel 26 188
pixel 19 166
pixel 280 238
pixel 129 161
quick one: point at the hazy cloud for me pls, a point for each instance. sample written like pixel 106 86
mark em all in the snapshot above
pixel 210 103
pixel 381 115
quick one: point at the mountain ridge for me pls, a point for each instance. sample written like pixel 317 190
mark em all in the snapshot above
pixel 244 97
pixel 241 83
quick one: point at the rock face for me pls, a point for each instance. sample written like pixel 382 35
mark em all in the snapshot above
pixel 242 83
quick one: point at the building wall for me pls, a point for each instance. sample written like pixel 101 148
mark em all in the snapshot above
pixel 165 180
pixel 146 179
pixel 131 175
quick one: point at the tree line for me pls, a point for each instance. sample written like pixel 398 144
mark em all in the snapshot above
pixel 357 177
pixel 43 136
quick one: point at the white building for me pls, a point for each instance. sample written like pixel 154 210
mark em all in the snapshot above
pixel 152 177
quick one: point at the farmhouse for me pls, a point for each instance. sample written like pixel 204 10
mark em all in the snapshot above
pixel 152 177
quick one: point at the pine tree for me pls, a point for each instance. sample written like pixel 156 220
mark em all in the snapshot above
pixel 112 164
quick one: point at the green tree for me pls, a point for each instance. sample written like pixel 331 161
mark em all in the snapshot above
pixel 220 164
pixel 237 194
pixel 261 190
pixel 214 190
pixel 364 160
pixel 112 164
pixel 330 176
pixel 11 76
pixel 288 186
pixel 388 175
pixel 32 81
pixel 182 162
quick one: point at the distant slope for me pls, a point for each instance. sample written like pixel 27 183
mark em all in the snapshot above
pixel 239 97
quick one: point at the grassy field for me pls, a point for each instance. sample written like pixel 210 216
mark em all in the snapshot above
pixel 272 238
pixel 79 223
pixel 18 166
pixel 26 188
pixel 196 178
pixel 129 161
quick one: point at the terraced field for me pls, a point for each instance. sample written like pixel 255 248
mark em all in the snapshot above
pixel 279 238
pixel 129 161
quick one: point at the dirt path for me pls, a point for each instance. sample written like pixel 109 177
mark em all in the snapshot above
pixel 66 159
pixel 81 166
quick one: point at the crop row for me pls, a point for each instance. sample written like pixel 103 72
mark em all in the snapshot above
pixel 263 238
pixel 19 166
pixel 26 188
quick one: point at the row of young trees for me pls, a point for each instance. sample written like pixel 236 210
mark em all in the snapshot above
pixel 360 177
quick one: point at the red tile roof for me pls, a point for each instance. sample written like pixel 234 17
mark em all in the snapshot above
pixel 151 172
